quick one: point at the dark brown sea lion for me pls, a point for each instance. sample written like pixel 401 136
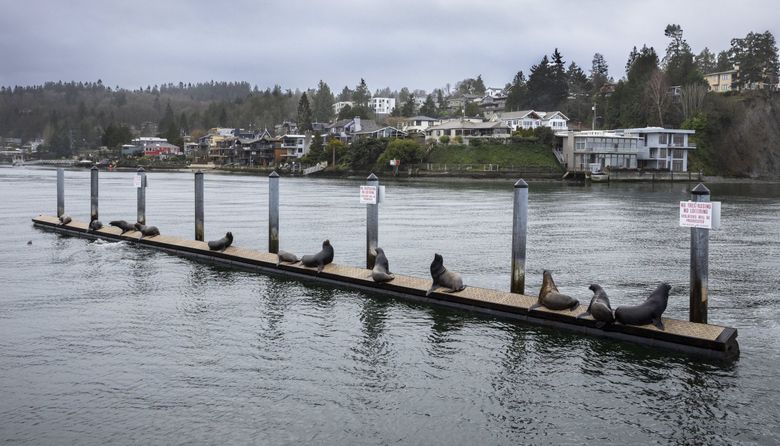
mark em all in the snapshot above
pixel 287 257
pixel 443 278
pixel 65 219
pixel 648 312
pixel 599 307
pixel 123 225
pixel 381 271
pixel 221 244
pixel 549 297
pixel 320 259
pixel 147 231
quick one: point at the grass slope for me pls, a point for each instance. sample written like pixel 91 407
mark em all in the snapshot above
pixel 525 155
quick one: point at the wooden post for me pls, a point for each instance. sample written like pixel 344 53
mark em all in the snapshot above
pixel 700 245
pixel 142 197
pixel 372 224
pixel 273 213
pixel 93 194
pixel 199 206
pixel 519 233
pixel 60 191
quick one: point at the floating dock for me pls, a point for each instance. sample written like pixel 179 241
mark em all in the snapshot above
pixel 711 341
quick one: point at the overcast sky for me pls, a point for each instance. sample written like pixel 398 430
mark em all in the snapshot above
pixel 400 43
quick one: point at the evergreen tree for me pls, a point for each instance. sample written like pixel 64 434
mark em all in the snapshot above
pixel 756 57
pixel 361 95
pixel 408 108
pixel 440 99
pixel 599 72
pixel 479 86
pixel 678 62
pixel 304 114
pixel 723 64
pixel 706 62
pixel 322 107
pixel 518 93
pixel 345 95
pixel 631 58
pixel 429 107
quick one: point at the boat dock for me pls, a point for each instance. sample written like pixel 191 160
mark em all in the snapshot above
pixel 700 339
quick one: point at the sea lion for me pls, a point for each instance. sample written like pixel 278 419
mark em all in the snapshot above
pixel 648 312
pixel 94 225
pixel 549 297
pixel 65 219
pixel 221 244
pixel 146 231
pixel 123 225
pixel 381 271
pixel 443 278
pixel 320 259
pixel 599 307
pixel 288 257
pixel 29 242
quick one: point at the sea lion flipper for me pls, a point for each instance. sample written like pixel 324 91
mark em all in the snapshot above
pixel 658 323
pixel 585 314
pixel 320 267
pixel 534 306
pixel 432 289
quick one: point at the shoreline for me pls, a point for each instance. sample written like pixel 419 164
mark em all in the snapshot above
pixel 437 177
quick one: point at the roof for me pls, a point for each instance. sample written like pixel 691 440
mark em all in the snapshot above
pixel 468 125
pixel 420 118
pixel 656 130
pixel 549 115
pixel 378 129
pixel 517 114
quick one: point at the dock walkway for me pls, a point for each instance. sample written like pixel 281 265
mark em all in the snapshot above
pixel 706 340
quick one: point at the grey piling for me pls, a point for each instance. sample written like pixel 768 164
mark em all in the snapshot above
pixel 142 197
pixel 273 212
pixel 199 206
pixel 519 233
pixel 372 224
pixel 60 192
pixel 93 194
pixel 700 246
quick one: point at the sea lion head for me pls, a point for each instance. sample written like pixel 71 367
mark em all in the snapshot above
pixel 229 236
pixel 595 287
pixel 326 243
pixel 379 252
pixel 138 226
pixel 548 284
pixel 437 266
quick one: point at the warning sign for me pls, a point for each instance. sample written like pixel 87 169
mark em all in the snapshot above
pixel 696 214
pixel 368 194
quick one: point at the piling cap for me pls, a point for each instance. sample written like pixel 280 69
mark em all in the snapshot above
pixel 700 189
pixel 140 169
pixel 273 175
pixel 94 168
pixel 372 177
pixel 521 184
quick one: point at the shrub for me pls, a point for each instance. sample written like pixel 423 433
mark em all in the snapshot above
pixel 444 139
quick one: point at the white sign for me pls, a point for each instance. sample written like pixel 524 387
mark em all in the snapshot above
pixel 137 181
pixel 368 194
pixel 704 215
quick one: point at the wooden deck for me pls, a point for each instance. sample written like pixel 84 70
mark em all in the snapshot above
pixel 700 339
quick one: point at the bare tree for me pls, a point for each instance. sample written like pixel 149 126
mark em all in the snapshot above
pixel 658 93
pixel 692 99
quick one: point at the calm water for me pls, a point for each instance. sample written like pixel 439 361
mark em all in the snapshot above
pixel 108 343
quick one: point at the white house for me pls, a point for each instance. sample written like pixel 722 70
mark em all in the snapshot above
pixel 418 123
pixel 662 149
pixel 468 130
pixel 494 92
pixel 382 106
pixel 531 119
pixel 340 105
pixel 295 146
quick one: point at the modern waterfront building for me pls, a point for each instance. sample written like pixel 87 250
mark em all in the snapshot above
pixel 721 81
pixel 596 150
pixel 662 149
pixel 382 106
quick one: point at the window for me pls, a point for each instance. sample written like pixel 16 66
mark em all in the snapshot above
pixel 662 153
pixel 678 139
pixel 662 138
pixel 678 154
